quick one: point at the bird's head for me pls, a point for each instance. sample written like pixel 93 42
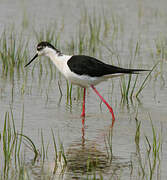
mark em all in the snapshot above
pixel 43 49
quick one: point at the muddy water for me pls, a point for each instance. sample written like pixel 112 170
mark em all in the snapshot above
pixel 44 108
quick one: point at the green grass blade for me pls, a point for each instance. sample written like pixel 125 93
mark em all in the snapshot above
pixel 145 80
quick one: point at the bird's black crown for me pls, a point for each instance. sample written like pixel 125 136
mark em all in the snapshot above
pixel 44 44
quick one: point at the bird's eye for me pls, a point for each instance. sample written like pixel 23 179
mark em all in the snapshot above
pixel 39 48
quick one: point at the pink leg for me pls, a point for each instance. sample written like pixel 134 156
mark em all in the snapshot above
pixel 105 102
pixel 83 105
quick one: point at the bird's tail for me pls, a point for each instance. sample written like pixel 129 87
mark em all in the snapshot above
pixel 132 71
pixel 115 71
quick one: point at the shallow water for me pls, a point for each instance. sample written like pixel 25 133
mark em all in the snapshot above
pixel 44 108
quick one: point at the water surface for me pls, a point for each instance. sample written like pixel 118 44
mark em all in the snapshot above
pixel 44 108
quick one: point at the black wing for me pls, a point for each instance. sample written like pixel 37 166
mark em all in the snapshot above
pixel 86 65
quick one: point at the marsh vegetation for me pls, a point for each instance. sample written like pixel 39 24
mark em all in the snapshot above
pixel 41 132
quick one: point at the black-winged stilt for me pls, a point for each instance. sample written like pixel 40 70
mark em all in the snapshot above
pixel 82 70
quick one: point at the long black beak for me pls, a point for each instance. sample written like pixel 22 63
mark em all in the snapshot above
pixel 31 60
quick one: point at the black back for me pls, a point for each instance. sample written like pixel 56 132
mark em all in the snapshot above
pixel 86 65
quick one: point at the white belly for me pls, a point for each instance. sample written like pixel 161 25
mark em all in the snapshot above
pixel 83 80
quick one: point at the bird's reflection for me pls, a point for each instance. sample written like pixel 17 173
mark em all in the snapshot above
pixel 84 157
pixel 83 131
pixel 87 156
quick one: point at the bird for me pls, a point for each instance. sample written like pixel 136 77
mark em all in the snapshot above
pixel 82 70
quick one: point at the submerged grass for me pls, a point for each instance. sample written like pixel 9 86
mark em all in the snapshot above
pixel 13 52
pixel 15 164
pixel 13 160
pixel 127 89
pixel 11 144
pixel 150 162
pixel 145 80
pixel 108 144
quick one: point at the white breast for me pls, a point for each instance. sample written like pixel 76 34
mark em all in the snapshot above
pixel 60 61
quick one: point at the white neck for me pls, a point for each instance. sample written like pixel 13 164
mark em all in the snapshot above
pixel 51 53
pixel 60 60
